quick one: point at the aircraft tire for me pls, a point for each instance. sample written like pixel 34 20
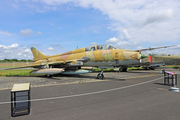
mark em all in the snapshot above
pixel 123 69
pixel 146 68
pixel 49 76
pixel 100 76
pixel 152 68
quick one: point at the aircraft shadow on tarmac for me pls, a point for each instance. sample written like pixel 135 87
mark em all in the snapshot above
pixel 86 76
pixel 71 76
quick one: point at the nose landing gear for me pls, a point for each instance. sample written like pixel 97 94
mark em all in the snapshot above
pixel 100 75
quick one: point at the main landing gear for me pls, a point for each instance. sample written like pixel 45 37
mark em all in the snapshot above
pixel 49 76
pixel 100 75
pixel 122 69
pixel 149 68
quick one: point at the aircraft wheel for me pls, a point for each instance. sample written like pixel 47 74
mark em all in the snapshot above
pixel 123 69
pixel 100 76
pixel 152 68
pixel 147 68
pixel 49 76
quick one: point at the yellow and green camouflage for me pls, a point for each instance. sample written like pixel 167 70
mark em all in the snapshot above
pixel 95 55
pixel 99 56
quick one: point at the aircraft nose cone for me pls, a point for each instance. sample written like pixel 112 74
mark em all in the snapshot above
pixel 136 56
pixel 131 55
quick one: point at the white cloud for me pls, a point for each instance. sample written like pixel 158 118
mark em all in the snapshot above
pixel 50 48
pixel 94 43
pixel 126 35
pixel 160 16
pixel 127 45
pixel 27 50
pixel 26 32
pixel 14 51
pixel 19 54
pixel 5 33
pixel 156 17
pixel 135 20
pixel 14 45
pixel 113 40
pixel 39 33
pixel 9 47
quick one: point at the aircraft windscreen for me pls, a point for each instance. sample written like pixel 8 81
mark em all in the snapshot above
pixel 110 47
pixel 92 48
pixel 101 47
pixel 87 48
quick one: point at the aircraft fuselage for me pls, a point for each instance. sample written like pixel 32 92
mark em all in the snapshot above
pixel 100 58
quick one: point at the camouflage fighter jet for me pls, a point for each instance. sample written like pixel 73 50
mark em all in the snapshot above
pixel 101 56
pixel 153 61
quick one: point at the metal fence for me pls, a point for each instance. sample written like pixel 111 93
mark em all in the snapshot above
pixel 14 64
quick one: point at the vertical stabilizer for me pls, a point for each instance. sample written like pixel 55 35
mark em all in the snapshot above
pixel 37 55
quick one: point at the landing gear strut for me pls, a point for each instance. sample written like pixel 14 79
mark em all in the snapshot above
pixel 100 75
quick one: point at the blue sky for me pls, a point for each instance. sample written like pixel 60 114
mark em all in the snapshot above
pixel 57 26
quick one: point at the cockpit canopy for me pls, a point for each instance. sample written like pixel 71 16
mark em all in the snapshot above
pixel 100 47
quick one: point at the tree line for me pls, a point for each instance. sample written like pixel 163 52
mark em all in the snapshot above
pixel 16 60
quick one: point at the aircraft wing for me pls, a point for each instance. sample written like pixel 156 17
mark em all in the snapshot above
pixel 153 48
pixel 28 66
pixel 73 62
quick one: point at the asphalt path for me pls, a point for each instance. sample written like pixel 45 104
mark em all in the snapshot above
pixel 138 99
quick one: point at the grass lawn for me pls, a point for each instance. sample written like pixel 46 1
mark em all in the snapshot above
pixel 24 72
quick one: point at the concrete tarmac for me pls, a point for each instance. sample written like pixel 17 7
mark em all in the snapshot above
pixel 150 101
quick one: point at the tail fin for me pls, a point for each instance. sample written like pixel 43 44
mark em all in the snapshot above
pixel 37 55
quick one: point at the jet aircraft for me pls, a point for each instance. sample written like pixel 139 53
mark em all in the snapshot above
pixel 101 56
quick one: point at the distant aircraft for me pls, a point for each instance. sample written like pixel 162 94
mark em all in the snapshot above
pixel 101 56
pixel 153 61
